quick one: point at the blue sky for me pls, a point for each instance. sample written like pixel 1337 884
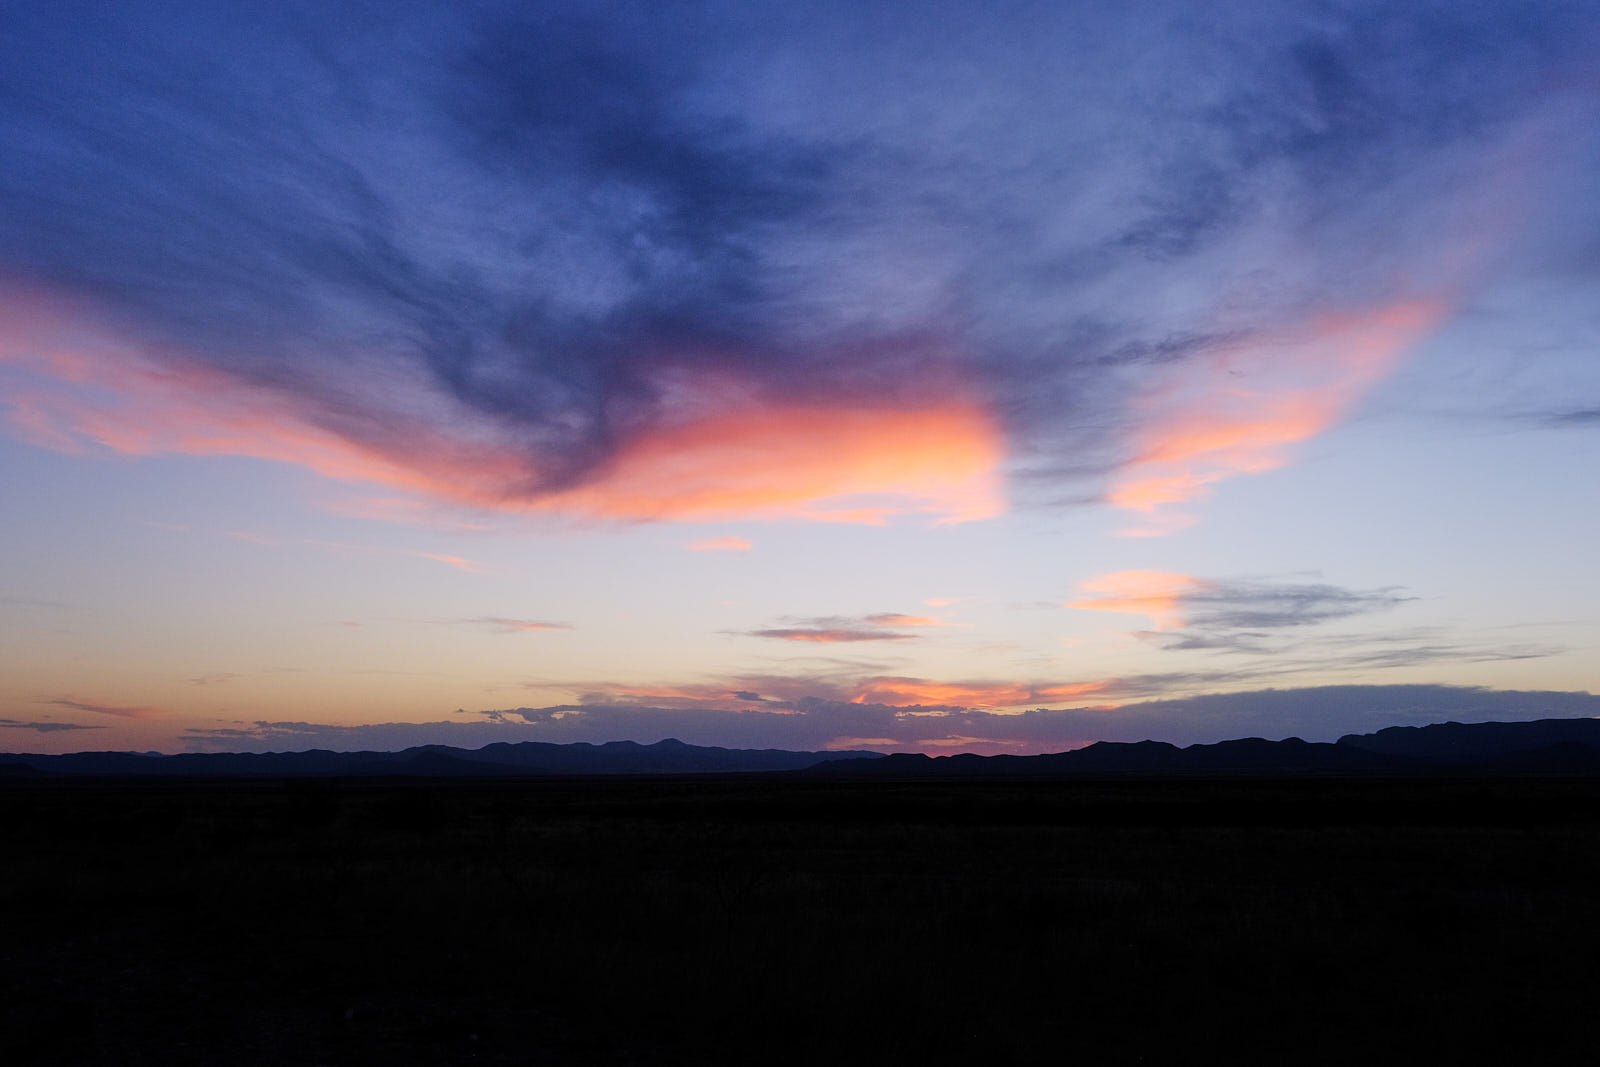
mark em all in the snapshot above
pixel 851 374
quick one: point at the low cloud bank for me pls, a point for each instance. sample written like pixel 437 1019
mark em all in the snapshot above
pixel 1316 714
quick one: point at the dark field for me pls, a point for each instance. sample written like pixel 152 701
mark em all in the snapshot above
pixel 760 920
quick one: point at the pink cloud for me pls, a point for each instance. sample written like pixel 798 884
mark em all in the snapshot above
pixel 1155 594
pixel 1240 410
pixel 460 563
pixel 730 454
pixel 720 544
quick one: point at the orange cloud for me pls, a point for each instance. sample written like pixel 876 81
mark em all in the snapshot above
pixel 1156 594
pixel 835 629
pixel 507 626
pixel 902 692
pixel 845 743
pixel 733 455
pixel 772 692
pixel 825 464
pixel 689 695
pixel 958 741
pixel 721 544
pixel 890 618
pixel 460 563
pixel 1240 410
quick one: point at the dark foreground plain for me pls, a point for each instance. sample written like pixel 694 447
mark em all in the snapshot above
pixel 762 919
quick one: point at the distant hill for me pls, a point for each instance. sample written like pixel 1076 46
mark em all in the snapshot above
pixel 1464 744
pixel 1544 746
pixel 503 759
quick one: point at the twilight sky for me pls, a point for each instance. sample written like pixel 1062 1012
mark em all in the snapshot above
pixel 998 377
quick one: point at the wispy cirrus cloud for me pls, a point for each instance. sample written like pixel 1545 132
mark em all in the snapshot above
pixel 1219 610
pixel 121 711
pixel 725 298
pixel 1154 594
pixel 46 727
pixel 720 544
pixel 846 629
pixel 502 625
pixel 828 635
pixel 1266 619
pixel 852 684
pixel 1238 409
pixel 460 563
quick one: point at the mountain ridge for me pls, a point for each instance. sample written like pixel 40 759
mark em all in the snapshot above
pixel 1540 746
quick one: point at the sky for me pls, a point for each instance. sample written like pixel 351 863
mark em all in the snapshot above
pixel 923 377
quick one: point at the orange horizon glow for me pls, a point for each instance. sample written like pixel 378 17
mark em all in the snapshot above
pixel 1239 411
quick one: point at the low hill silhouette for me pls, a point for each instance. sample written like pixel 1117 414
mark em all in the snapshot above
pixel 502 759
pixel 1543 746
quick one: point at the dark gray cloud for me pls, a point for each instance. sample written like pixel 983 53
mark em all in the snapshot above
pixel 1256 605
pixel 836 635
pixel 1316 714
pixel 844 629
pixel 531 227
pixel 1266 619
pixel 44 727
pixel 1250 615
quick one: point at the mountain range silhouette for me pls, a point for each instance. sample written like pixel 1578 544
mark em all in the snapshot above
pixel 1543 746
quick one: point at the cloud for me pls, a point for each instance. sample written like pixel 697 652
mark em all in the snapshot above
pixel 120 711
pixel 1315 714
pixel 216 678
pixel 1156 594
pixel 829 636
pixel 1226 613
pixel 837 629
pixel 720 544
pixel 1574 418
pixel 502 625
pixel 853 684
pixel 45 727
pixel 460 563
pixel 675 269
pixel 890 618
pixel 1236 409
